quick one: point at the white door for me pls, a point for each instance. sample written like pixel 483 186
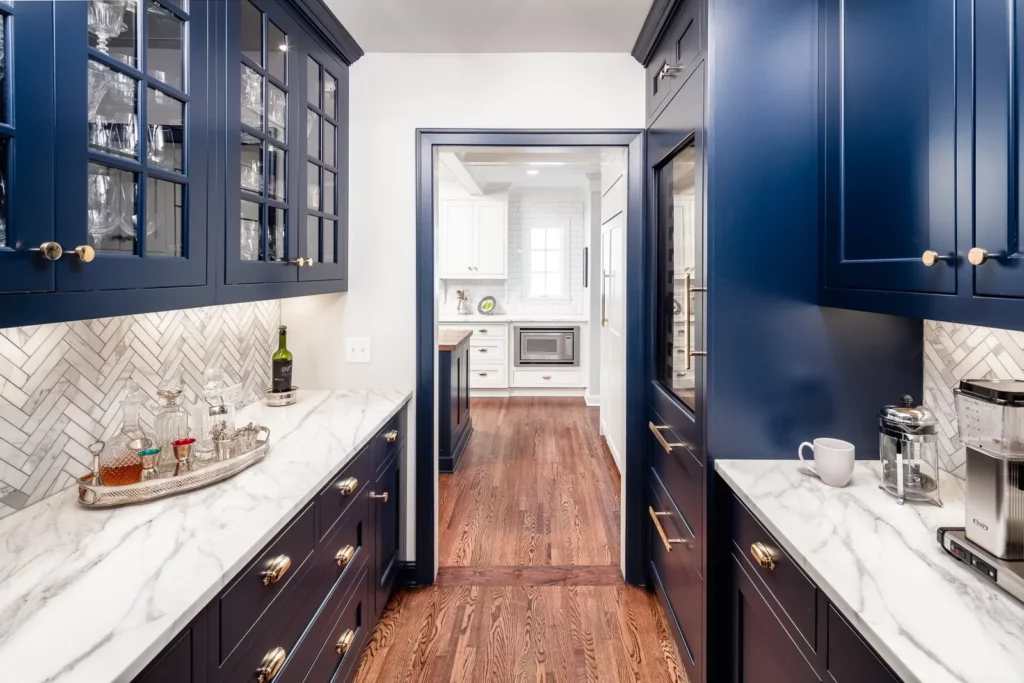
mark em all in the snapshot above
pixel 613 338
pixel 490 237
pixel 456 238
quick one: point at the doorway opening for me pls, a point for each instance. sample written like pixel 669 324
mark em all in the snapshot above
pixel 531 363
pixel 525 245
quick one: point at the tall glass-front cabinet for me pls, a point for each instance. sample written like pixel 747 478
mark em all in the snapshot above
pixel 287 100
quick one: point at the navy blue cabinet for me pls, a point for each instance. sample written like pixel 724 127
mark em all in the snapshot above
pixel 921 160
pixel 890 144
pixel 159 154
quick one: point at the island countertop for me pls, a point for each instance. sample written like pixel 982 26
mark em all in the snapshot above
pixel 932 618
pixel 94 595
pixel 449 340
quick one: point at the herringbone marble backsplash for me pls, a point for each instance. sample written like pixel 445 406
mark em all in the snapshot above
pixel 954 352
pixel 60 384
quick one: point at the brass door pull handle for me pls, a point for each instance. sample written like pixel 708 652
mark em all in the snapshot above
pixel 762 556
pixel 279 566
pixel 656 430
pixel 482 374
pixel 345 555
pixel 51 251
pixel 345 642
pixel 348 486
pixel 978 256
pixel 300 262
pixel 546 377
pixel 271 664
pixel 482 350
pixel 382 497
pixel 666 541
pixel 391 436
pixel 930 258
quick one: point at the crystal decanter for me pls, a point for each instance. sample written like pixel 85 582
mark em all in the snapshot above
pixel 119 460
pixel 171 423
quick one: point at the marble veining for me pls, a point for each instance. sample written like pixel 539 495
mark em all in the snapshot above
pixel 94 595
pixel 932 619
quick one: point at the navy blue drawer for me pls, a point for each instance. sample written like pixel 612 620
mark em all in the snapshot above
pixel 850 659
pixel 389 439
pixel 345 489
pixel 677 579
pixel 343 551
pixel 683 478
pixel 782 581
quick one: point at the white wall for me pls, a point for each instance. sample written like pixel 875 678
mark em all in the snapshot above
pixel 391 96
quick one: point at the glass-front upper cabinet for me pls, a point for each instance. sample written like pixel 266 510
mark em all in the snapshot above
pixel 131 144
pixel 325 235
pixel 26 147
pixel 263 144
pixel 680 278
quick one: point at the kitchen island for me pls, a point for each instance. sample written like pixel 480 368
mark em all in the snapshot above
pixel 95 595
pixel 930 617
pixel 455 423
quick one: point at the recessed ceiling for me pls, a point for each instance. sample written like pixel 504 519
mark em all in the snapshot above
pixel 492 25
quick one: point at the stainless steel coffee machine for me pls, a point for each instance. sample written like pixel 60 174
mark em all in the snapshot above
pixel 991 416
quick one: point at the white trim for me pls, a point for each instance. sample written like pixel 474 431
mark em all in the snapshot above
pixel 615 454
pixel 592 399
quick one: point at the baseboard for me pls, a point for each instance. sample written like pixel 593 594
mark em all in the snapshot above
pixel 406 574
pixel 448 465
pixel 615 454
pixel 593 400
pixel 579 392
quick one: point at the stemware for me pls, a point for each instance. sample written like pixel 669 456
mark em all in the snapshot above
pixel 105 21
pixel 250 239
pixel 102 209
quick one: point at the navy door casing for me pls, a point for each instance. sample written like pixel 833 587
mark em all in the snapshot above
pixel 74 154
pixel 889 155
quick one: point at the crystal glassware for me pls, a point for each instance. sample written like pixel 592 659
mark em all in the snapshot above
pixel 119 461
pixel 171 423
pixel 102 209
pixel 105 20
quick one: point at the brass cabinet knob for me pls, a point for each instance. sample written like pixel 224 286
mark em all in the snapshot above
pixel 85 253
pixel 345 642
pixel 930 258
pixel 271 664
pixel 546 377
pixel 300 262
pixel 391 436
pixel 977 256
pixel 279 566
pixel 482 331
pixel 763 556
pixel 345 555
pixel 51 251
pixel 348 486
pixel 382 497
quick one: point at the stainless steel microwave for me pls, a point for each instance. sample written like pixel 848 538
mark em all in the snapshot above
pixel 546 345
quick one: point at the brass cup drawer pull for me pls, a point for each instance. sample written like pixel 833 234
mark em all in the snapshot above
pixel 279 566
pixel 668 542
pixel 348 486
pixel 656 430
pixel 345 642
pixel 391 436
pixel 271 665
pixel 762 556
pixel 382 497
pixel 345 555
pixel 546 377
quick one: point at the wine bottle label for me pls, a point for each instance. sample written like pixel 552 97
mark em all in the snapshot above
pixel 282 375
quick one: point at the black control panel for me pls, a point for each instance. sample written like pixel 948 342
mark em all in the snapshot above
pixel 964 555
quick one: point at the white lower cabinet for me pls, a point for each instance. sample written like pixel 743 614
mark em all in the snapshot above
pixel 547 377
pixel 488 375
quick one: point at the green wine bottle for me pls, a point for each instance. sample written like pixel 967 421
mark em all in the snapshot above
pixel 281 363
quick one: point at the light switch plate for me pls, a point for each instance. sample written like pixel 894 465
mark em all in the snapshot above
pixel 357 349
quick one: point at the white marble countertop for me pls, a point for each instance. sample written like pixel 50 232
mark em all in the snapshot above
pixel 932 618
pixel 498 318
pixel 94 595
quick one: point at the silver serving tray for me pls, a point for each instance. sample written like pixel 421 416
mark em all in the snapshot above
pixel 167 485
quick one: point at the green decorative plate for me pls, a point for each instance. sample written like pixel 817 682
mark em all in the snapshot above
pixel 487 305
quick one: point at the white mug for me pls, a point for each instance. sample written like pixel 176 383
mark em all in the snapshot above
pixel 833 460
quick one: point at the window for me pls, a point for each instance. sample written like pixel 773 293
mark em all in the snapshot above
pixel 546 262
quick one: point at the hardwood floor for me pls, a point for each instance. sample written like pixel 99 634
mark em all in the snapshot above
pixel 536 486
pixel 529 587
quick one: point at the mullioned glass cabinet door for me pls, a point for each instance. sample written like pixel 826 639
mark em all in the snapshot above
pixel 131 143
pixel 264 128
pixel 26 147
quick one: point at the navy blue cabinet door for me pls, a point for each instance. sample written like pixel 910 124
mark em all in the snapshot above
pixel 265 131
pixel 131 140
pixel 26 146
pixel 998 146
pixel 324 230
pixel 889 116
pixel 385 525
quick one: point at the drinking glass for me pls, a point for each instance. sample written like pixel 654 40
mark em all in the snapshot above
pixel 105 20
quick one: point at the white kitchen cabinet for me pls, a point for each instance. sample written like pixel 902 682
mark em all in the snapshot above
pixel 474 238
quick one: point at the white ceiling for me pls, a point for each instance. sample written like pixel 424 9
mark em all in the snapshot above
pixel 519 167
pixel 492 25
